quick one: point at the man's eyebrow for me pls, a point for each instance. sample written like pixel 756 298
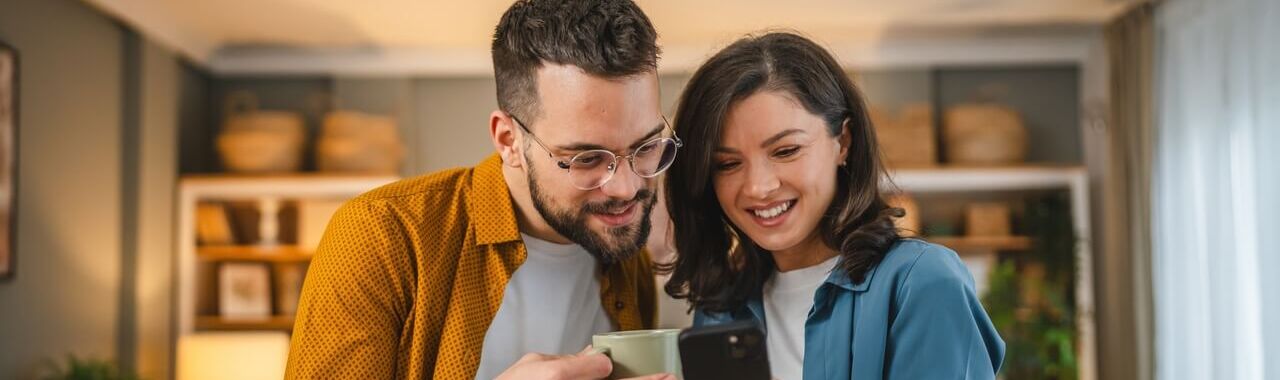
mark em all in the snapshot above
pixel 578 147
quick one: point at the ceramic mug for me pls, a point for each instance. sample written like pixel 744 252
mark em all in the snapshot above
pixel 641 352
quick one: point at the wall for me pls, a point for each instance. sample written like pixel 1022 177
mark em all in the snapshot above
pixel 99 109
pixel 195 126
pixel 64 296
pixel 163 103
pixel 452 115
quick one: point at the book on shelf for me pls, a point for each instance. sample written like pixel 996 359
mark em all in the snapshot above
pixel 213 225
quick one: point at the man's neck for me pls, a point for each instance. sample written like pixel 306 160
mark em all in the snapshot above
pixel 527 216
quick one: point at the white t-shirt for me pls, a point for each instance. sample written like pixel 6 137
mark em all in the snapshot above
pixel 551 306
pixel 788 297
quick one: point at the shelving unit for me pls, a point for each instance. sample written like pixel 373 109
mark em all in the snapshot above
pixel 197 265
pixel 1000 243
pixel 278 253
pixel 216 323
pixel 1073 179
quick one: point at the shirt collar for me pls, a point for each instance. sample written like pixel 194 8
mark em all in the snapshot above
pixel 841 279
pixel 489 204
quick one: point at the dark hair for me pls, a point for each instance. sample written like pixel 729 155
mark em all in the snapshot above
pixel 718 267
pixel 605 38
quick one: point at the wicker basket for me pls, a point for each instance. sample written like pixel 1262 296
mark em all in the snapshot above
pixel 255 141
pixel 984 134
pixel 906 139
pixel 988 219
pixel 358 142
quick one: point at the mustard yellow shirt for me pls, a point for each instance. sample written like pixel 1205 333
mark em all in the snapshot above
pixel 408 277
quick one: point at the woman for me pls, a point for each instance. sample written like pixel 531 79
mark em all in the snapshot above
pixel 779 219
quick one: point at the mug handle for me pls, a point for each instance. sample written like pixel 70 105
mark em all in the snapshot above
pixel 600 350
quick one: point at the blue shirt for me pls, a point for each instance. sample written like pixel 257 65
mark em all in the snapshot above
pixel 915 315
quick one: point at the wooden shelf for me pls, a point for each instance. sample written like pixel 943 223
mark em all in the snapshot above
pixel 996 178
pixel 214 322
pixel 294 186
pixel 278 253
pixel 997 243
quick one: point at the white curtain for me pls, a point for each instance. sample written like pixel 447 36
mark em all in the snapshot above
pixel 1216 190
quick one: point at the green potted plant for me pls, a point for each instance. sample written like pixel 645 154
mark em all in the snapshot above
pixel 74 368
pixel 1031 299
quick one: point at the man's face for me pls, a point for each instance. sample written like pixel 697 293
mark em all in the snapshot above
pixel 580 113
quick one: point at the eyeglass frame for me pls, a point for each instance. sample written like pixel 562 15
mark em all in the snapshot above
pixel 613 167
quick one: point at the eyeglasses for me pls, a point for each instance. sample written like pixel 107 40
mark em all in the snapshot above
pixel 591 169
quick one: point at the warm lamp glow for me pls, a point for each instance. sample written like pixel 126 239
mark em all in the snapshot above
pixel 242 356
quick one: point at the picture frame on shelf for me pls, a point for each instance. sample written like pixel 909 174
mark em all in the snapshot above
pixel 8 158
pixel 244 290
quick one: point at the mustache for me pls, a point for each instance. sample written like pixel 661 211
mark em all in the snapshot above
pixel 614 204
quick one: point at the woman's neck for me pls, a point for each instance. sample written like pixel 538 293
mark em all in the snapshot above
pixel 812 251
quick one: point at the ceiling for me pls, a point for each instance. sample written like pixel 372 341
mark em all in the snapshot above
pixel 459 30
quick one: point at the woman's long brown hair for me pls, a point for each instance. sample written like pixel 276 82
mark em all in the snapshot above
pixel 718 267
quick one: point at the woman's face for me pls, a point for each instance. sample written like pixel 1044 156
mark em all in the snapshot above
pixel 775 171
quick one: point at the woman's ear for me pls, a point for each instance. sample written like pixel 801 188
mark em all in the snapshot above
pixel 843 142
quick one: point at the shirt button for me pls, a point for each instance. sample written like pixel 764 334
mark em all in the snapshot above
pixel 618 305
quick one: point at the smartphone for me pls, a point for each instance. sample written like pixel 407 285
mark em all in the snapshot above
pixel 733 350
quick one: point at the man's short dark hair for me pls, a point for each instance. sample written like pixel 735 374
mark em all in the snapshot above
pixel 605 38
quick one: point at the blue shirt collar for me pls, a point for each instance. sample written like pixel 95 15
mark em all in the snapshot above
pixel 755 304
pixel 839 278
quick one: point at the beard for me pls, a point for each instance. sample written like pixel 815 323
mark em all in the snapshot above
pixel 615 244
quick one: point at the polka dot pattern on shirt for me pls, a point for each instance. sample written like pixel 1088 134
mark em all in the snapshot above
pixel 408 277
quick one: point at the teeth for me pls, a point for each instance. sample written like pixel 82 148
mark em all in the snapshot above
pixel 773 212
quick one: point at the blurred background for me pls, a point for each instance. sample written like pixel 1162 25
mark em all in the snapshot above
pixel 1104 167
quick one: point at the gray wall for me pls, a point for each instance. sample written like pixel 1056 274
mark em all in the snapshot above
pixel 99 109
pixel 892 89
pixel 64 297
pixel 452 117
pixel 162 93
pixel 195 127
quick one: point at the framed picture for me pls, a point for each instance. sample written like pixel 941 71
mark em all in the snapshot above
pixel 8 157
pixel 244 290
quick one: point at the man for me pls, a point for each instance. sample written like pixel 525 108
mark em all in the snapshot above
pixel 507 268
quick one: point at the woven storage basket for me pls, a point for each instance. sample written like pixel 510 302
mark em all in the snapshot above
pixel 256 141
pixel 358 142
pixel 984 134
